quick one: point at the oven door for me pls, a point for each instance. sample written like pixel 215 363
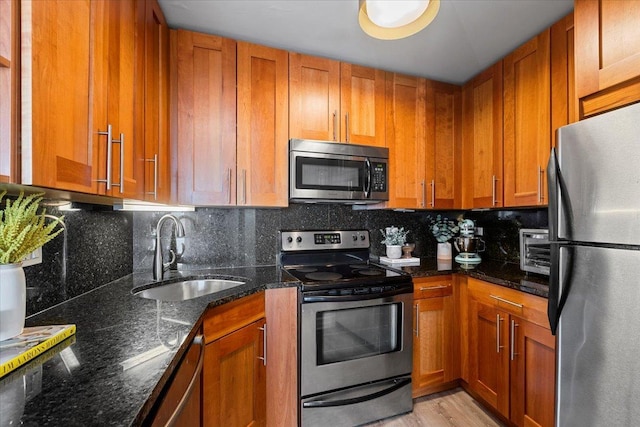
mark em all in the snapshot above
pixel 354 339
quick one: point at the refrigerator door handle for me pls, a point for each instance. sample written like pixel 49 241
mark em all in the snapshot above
pixel 558 298
pixel 558 200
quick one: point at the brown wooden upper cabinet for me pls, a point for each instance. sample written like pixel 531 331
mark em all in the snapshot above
pixel 526 122
pixel 155 131
pixel 406 139
pixel 91 141
pixel 9 81
pixel 262 139
pixel 334 101
pixel 219 163
pixel 482 182
pixel 564 105
pixel 444 139
pixel 607 54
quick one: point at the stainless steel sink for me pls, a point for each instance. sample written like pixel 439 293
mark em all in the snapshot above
pixel 188 289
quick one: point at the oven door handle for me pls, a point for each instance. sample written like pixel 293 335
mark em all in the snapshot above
pixel 358 297
pixel 398 384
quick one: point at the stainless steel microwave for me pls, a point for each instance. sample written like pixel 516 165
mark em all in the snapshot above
pixel 324 172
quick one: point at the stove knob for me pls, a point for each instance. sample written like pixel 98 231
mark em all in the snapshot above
pixel 298 239
pixel 289 239
pixel 362 237
pixel 355 238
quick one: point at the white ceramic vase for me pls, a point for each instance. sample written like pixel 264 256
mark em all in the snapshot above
pixel 394 251
pixel 444 250
pixel 13 300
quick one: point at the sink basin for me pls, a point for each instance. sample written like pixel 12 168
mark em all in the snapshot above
pixel 188 289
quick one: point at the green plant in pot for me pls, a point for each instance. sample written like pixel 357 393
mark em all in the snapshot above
pixel 394 238
pixel 443 229
pixel 22 231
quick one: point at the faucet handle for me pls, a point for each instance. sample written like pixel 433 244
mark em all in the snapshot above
pixel 165 265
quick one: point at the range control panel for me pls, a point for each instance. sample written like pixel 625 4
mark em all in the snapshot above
pixel 314 240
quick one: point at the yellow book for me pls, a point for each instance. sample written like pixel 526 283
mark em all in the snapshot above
pixel 31 343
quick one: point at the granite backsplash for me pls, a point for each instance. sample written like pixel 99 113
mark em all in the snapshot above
pixel 103 245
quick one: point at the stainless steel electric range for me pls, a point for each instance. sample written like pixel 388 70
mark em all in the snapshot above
pixel 355 329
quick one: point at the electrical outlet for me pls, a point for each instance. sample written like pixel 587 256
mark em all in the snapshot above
pixel 33 258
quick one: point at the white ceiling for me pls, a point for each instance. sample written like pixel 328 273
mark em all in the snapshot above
pixel 465 37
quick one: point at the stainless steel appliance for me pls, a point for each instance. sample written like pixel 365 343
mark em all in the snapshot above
pixel 594 292
pixel 535 252
pixel 322 172
pixel 468 245
pixel 355 329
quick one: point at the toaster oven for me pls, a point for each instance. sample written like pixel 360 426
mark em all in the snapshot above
pixel 535 251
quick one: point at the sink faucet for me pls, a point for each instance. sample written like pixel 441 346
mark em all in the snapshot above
pixel 158 266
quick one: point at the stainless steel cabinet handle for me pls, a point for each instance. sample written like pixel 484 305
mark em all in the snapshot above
pixel 244 186
pixel 346 126
pixel 335 124
pixel 155 176
pixel 514 325
pixel 108 134
pixel 540 186
pixel 498 320
pixel 417 329
pixel 198 340
pixel 121 142
pixel 494 181
pixel 230 177
pixel 424 193
pixel 433 193
pixel 505 301
pixel 264 345
pixel 434 287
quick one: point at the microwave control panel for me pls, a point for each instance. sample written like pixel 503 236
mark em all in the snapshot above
pixel 379 177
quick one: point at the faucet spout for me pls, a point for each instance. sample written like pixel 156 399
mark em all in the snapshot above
pixel 159 267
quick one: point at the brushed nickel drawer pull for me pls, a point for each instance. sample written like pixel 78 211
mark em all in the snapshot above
pixel 434 287
pixel 506 301
pixel 498 320
pixel 264 345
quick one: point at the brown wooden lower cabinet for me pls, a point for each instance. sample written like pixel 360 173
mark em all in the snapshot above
pixel 511 353
pixel 433 335
pixel 234 372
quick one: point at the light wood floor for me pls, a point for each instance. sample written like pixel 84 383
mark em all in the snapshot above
pixel 446 409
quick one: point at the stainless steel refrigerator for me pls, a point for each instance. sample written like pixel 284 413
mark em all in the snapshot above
pixel 594 284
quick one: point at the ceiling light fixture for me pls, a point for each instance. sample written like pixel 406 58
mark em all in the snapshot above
pixel 396 19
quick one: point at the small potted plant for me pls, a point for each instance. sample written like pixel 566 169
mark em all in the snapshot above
pixel 22 231
pixel 394 238
pixel 443 229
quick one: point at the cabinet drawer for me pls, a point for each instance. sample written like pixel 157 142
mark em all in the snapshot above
pixel 431 287
pixel 224 319
pixel 526 306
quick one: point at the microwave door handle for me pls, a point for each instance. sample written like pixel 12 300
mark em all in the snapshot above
pixel 367 185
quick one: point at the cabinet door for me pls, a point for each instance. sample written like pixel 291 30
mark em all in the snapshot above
pixel 533 367
pixel 155 132
pixel 432 344
pixel 444 136
pixel 314 98
pixel 362 105
pixel 117 64
pixel 482 140
pixel 564 105
pixel 489 355
pixel 526 122
pixel 235 379
pixel 57 140
pixel 206 119
pixel 607 54
pixel 406 139
pixel 9 81
pixel 262 126
pixel 191 413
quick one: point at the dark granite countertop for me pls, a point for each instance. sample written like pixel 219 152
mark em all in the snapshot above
pixel 104 375
pixel 498 272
